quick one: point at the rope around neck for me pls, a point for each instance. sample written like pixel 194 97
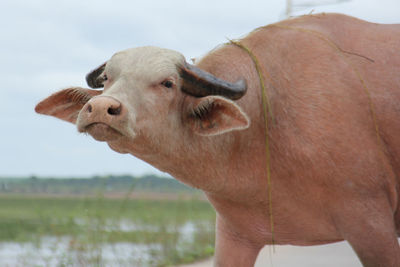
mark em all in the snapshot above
pixel 266 109
pixel 267 106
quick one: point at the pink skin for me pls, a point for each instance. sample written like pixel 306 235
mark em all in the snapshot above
pixel 332 179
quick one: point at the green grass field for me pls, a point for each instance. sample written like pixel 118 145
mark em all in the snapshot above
pixel 171 231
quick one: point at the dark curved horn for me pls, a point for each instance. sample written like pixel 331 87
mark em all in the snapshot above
pixel 92 77
pixel 199 83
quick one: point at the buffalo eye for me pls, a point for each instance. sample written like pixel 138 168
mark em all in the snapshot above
pixel 167 83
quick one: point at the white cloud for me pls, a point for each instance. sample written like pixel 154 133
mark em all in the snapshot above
pixel 384 11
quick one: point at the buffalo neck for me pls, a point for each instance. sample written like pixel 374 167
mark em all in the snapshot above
pixel 215 164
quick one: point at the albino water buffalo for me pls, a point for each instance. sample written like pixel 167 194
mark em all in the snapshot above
pixel 333 131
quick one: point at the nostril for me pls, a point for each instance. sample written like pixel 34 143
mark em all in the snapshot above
pixel 114 111
pixel 89 108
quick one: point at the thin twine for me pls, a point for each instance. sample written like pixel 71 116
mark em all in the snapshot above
pixel 363 83
pixel 332 44
pixel 266 108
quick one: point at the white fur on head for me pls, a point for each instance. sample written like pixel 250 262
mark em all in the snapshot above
pixel 147 64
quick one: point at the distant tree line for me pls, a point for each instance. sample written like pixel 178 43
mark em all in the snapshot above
pixel 95 184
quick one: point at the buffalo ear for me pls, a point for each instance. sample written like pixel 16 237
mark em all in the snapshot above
pixel 66 104
pixel 214 115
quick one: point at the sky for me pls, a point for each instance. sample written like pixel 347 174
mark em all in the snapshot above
pixel 48 45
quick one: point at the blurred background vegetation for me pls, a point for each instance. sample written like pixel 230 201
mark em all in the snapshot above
pixel 103 221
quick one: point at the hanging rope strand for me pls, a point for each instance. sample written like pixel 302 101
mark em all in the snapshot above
pixel 266 109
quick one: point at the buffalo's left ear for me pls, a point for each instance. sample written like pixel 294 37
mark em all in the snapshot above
pixel 66 104
pixel 215 115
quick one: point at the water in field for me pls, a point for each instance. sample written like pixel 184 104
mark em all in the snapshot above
pixel 65 251
pixel 52 251
pixel 98 232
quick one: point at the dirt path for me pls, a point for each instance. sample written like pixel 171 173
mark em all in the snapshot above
pixel 333 255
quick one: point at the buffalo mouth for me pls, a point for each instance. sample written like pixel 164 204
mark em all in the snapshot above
pixel 102 132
